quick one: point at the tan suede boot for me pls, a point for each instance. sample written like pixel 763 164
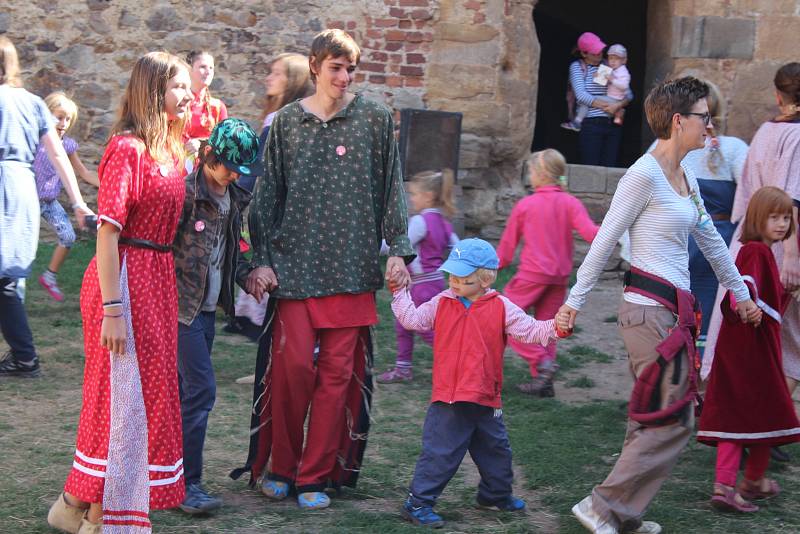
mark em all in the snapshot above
pixel 64 516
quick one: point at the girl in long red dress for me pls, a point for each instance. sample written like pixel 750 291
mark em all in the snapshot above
pixel 747 400
pixel 128 457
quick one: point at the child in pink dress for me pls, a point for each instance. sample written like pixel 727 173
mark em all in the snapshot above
pixel 544 221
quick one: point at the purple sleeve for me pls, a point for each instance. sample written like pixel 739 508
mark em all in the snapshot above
pixel 70 145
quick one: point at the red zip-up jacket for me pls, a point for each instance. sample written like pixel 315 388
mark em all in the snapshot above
pixel 469 342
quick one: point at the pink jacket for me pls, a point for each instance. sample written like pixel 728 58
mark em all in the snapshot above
pixel 619 82
pixel 545 221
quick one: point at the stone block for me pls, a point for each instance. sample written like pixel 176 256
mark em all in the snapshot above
pixel 480 118
pixel 587 179
pixel 465 33
pixel 77 58
pixel 448 80
pixel 778 38
pixel 5 22
pixel 713 37
pixel 474 152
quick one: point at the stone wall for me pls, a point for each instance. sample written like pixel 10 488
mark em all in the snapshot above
pixel 736 44
pixel 477 57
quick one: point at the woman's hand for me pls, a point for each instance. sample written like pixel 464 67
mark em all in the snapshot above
pixel 81 211
pixel 565 318
pixel 790 271
pixel 113 332
pixel 749 312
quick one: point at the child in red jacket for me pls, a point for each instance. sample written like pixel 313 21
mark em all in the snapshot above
pixel 544 221
pixel 472 322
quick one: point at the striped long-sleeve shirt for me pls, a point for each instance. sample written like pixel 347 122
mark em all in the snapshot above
pixel 581 78
pixel 659 221
pixel 519 325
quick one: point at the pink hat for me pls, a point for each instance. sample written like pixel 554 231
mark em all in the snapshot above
pixel 590 43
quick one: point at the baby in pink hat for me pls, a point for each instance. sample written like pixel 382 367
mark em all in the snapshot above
pixel 619 80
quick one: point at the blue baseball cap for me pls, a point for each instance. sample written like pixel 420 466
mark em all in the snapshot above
pixel 469 255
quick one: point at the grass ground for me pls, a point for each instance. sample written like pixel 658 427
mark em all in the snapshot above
pixel 560 450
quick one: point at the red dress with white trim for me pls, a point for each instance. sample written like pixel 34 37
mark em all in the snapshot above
pixel 129 453
pixel 747 400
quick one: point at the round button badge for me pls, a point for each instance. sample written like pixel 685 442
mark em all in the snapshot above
pixel 199 226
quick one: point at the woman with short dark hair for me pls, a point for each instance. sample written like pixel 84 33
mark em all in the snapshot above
pixel 657 201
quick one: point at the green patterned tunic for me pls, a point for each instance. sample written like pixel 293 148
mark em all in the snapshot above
pixel 331 191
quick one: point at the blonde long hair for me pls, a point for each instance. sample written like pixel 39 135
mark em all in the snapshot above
pixel 143 113
pixel 441 184
pixel 298 82
pixel 9 63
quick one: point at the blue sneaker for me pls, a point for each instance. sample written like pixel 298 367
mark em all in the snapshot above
pixel 313 500
pixel 509 504
pixel 198 501
pixel 422 516
pixel 274 489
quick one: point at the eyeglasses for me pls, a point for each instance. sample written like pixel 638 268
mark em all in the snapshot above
pixel 706 117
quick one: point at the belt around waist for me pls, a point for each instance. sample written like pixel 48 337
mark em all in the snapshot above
pixel 720 217
pixel 143 243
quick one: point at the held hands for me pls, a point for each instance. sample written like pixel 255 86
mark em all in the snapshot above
pixel 397 276
pixel 261 280
pixel 565 318
pixel 749 312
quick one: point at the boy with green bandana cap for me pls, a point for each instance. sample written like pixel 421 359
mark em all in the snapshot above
pixel 207 264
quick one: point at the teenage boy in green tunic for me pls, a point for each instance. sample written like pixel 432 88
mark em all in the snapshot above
pixel 332 191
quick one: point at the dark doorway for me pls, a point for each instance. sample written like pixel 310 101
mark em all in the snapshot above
pixel 558 24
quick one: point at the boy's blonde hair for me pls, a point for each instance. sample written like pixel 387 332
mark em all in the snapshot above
pixel 549 162
pixel 441 183
pixel 59 100
pixel 487 276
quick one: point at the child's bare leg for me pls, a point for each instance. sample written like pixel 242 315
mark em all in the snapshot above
pixel 619 115
pixel 59 256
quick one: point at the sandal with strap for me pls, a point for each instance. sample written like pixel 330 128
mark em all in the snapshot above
pixel 726 499
pixel 755 490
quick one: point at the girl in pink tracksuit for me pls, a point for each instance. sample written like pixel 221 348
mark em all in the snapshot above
pixel 544 221
pixel 431 235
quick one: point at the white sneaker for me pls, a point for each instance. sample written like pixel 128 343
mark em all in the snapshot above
pixel 589 518
pixel 647 527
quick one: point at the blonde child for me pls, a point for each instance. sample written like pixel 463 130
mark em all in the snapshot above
pixel 544 221
pixel 748 403
pixel 431 235
pixel 48 187
pixel 472 322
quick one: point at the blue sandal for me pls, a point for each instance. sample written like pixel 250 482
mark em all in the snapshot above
pixel 313 500
pixel 274 489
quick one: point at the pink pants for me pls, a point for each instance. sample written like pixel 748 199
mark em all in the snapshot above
pixel 729 455
pixel 545 300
